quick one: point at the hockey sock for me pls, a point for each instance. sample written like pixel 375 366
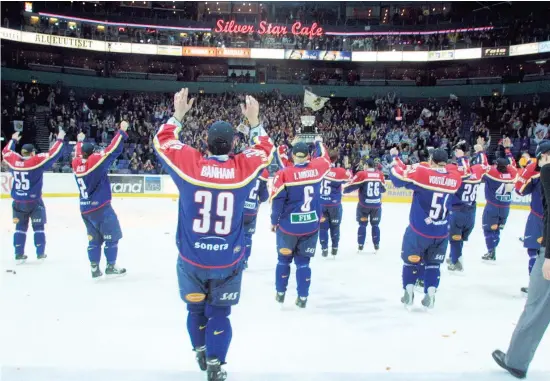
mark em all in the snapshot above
pixel 94 252
pixel 532 258
pixel 323 236
pixel 39 239
pixel 410 274
pixel 248 246
pixel 497 238
pixel 19 239
pixel 361 234
pixel 432 273
pixel 196 324
pixel 303 275
pixel 282 273
pixel 111 251
pixel 490 239
pixel 218 332
pixel 420 271
pixel 376 234
pixel 456 250
pixel 335 234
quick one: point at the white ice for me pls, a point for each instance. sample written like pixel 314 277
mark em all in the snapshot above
pixel 57 324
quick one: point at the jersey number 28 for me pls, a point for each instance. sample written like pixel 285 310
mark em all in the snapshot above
pixel 225 204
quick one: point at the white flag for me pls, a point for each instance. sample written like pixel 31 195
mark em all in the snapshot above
pixel 313 101
pixel 426 113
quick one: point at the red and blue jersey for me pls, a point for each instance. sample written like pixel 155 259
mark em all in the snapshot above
pixel 213 192
pixel 28 172
pixel 257 195
pixel 499 186
pixel 528 182
pixel 433 189
pixel 91 177
pixel 480 158
pixel 472 176
pixel 331 186
pixel 296 207
pixel 371 184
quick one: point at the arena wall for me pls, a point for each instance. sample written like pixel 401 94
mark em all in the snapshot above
pixel 155 186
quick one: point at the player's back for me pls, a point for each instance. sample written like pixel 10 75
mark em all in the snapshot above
pixel 28 172
pixel 433 189
pixel 472 177
pixel 372 186
pixel 331 186
pixel 296 196
pixel 91 172
pixel 499 186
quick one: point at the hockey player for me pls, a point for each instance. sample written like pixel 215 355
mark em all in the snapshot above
pixel 258 194
pixel 331 205
pixel 295 217
pixel 499 184
pixel 463 210
pixel 102 226
pixel 28 170
pixel 210 236
pixel 426 238
pixel 528 182
pixel 371 184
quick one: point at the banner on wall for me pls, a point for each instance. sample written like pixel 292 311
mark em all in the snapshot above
pixel 523 49
pixel 317 55
pixel 127 184
pixel 499 51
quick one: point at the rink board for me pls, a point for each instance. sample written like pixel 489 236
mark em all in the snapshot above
pixel 162 186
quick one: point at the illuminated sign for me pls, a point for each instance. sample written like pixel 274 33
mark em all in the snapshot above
pixel 264 27
pixel 499 51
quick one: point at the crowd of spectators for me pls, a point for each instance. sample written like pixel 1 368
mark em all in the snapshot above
pixel 358 129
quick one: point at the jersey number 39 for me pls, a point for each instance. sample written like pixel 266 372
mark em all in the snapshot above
pixel 225 204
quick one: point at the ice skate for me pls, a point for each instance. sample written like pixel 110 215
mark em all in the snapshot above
pixel 280 297
pixel 456 267
pixel 334 251
pixel 500 359
pixel 360 248
pixel 113 270
pixel 376 248
pixel 490 256
pixel 429 298
pixel 200 356
pixel 301 301
pixel 20 259
pixel 408 296
pixel 96 272
pixel 324 252
pixel 214 371
pixel 41 258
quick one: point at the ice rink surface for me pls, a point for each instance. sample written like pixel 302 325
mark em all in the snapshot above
pixel 57 324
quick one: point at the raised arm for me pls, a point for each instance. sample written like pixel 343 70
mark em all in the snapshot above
pixel 10 147
pixel 170 150
pixel 278 198
pixel 524 182
pixel 356 182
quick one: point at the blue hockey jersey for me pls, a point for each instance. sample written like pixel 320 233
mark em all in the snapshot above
pixel 472 176
pixel 257 195
pixel 28 172
pixel 528 182
pixel 499 186
pixel 296 206
pixel 91 177
pixel 331 186
pixel 371 184
pixel 213 191
pixel 433 189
